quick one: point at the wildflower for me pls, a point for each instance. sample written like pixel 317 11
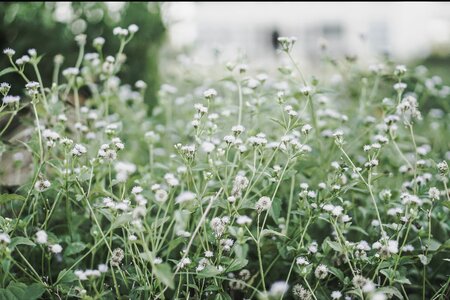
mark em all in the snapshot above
pixel 243 220
pixel 9 99
pixel 263 204
pixel 287 43
pixel 210 94
pixel 335 295
pixel 56 248
pixel 209 254
pixel 80 274
pixel 103 268
pixel 116 257
pixel 42 185
pixel 313 247
pixel 136 190
pixel 119 31
pixel 306 129
pixel 133 28
pixel 359 281
pixel 9 52
pixel 157 260
pixel 161 195
pixel 226 244
pixel 229 139
pixel 217 226
pixel 41 237
pixel 433 193
pixel 400 70
pixel 4 238
pixel 379 296
pixel 184 262
pixel 306 90
pixel 408 108
pixel 239 185
pixel 301 261
pixel 70 72
pixel 98 42
pixel 321 271
pixel 301 293
pixel 185 197
pixel 4 88
pixel 78 150
pixel 208 147
pixel 238 129
pixel 400 86
pixel 278 288
pixel 442 167
pixel 140 84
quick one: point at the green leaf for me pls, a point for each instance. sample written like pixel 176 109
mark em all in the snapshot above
pixel 5 198
pixel 34 291
pixel 237 264
pixel 338 273
pixel 20 241
pixel 66 276
pixel 121 220
pixel 74 248
pixel 165 275
pixel 335 245
pixel 7 71
pixel 20 291
pixel 391 291
pixel 208 271
pixel 272 232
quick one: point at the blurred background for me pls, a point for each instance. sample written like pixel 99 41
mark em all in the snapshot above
pixel 408 32
pixel 412 33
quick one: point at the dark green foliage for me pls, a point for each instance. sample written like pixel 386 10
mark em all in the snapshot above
pixel 33 25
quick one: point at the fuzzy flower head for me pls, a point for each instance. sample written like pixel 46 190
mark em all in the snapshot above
pixel 210 94
pixel 321 271
pixel 41 237
pixel 263 204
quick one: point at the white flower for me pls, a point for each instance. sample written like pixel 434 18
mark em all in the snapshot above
pixel 434 193
pixel 238 129
pixel 335 295
pixel 185 197
pixel 8 51
pixel 56 248
pixel 278 288
pixel 209 254
pixel 157 260
pixel 41 237
pixel 301 261
pixel 264 203
pixel 103 268
pixel 208 147
pixel 81 275
pixel 4 238
pixel 119 31
pixel 184 262
pixel 210 94
pixel 226 244
pixel 133 28
pixel 11 99
pixel 243 220
pixel 321 271
pixel 161 195
pixel 98 41
pixel 42 185
pixel 137 190
pixel 78 150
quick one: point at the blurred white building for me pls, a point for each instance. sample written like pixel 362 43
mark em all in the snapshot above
pixel 403 30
